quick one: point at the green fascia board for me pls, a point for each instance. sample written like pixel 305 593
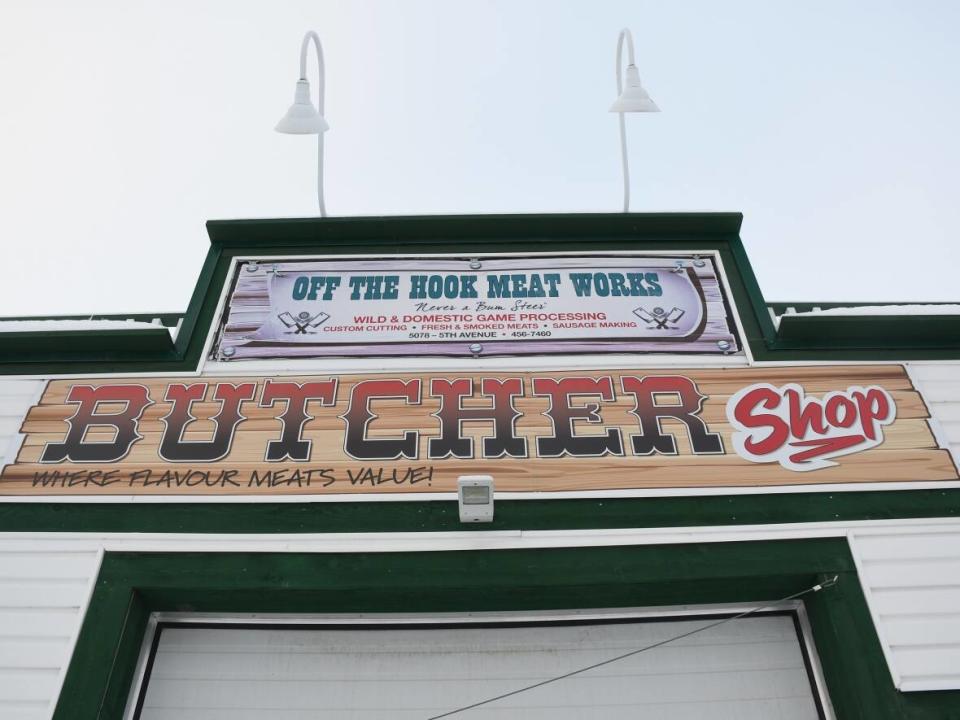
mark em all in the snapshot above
pixel 870 331
pixel 806 339
pixel 415 515
pixel 166 319
pixel 780 307
pixel 323 233
pixel 132 585
pixel 106 345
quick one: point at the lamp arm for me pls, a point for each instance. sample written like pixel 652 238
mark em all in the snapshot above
pixel 624 34
pixel 311 35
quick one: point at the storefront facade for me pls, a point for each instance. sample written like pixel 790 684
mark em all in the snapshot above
pixel 667 451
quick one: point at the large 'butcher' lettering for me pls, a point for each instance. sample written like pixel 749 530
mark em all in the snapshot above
pixel 203 418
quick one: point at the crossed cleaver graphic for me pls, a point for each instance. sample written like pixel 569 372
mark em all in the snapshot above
pixel 659 318
pixel 302 321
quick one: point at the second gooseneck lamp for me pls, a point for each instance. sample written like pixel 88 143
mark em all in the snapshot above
pixel 631 98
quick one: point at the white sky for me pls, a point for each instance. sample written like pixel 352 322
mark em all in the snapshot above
pixel 125 125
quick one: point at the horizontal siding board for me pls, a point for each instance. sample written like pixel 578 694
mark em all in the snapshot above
pixel 9 425
pixel 929 682
pixel 933 372
pixel 46 565
pixel 914 572
pixel 951 431
pixel 27 684
pixel 942 390
pixel 42 592
pixel 17 389
pixel 24 710
pixel 42 653
pixel 16 393
pixel 938 599
pixel 916 662
pixel 945 411
pixel 908 547
pixel 37 622
pixel 922 630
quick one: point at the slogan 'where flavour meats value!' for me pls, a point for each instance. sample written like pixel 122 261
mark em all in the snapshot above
pixel 532 431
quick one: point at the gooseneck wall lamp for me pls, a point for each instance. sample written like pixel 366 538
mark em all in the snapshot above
pixel 631 98
pixel 303 118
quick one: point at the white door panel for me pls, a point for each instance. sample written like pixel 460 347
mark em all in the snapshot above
pixel 747 669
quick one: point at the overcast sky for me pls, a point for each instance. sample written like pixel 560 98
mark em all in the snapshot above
pixel 125 125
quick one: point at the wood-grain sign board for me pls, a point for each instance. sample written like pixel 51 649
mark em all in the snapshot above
pixel 542 431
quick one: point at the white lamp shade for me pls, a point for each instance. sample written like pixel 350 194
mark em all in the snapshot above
pixel 633 98
pixel 302 118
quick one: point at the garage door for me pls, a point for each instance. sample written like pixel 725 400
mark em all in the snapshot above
pixel 753 668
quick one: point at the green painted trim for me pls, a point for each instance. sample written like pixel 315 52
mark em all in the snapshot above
pixel 132 585
pixel 869 331
pixel 442 515
pixel 166 319
pixel 444 229
pixel 748 298
pixel 203 304
pixel 49 346
pixel 780 306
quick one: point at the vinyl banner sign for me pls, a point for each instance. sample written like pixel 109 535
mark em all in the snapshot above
pixel 533 432
pixel 310 308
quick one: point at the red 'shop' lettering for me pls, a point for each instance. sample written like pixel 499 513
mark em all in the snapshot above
pixel 782 424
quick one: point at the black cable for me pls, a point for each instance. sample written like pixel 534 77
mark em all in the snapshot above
pixel 815 588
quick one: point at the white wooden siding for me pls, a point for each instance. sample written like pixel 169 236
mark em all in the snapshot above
pixel 912 584
pixel 16 397
pixel 939 383
pixel 44 589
